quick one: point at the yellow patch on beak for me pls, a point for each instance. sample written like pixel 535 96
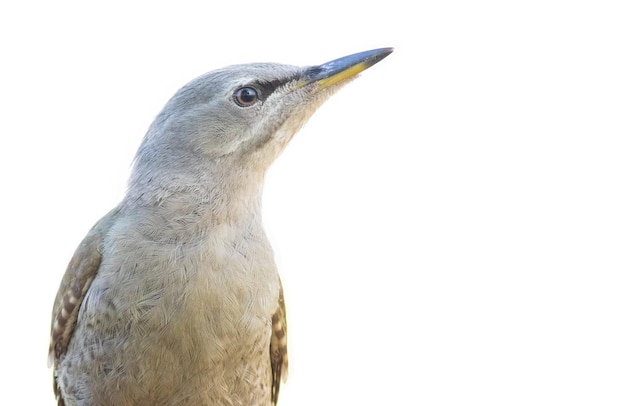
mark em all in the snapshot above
pixel 344 74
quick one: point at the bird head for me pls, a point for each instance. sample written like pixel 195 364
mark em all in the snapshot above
pixel 239 118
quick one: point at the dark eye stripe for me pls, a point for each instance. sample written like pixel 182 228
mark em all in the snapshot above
pixel 247 96
pixel 268 87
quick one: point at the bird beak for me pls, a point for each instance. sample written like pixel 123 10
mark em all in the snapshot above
pixel 333 72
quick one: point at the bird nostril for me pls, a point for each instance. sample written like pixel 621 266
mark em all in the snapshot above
pixel 314 71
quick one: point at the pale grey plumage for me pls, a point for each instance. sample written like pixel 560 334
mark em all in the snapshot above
pixel 173 297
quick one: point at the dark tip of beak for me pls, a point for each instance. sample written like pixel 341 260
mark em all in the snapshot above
pixel 346 66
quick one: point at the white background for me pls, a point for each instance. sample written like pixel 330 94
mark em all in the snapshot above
pixel 450 227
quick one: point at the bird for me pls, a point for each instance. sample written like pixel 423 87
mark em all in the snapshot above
pixel 173 297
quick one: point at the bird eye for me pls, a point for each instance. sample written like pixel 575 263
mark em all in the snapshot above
pixel 246 96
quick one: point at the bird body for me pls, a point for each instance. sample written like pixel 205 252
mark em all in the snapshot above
pixel 173 298
pixel 163 314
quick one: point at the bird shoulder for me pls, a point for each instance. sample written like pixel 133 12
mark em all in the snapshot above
pixel 80 272
pixel 278 346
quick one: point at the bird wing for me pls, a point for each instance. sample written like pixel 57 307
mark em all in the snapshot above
pixel 278 346
pixel 80 272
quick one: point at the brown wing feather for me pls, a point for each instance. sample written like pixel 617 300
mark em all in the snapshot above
pixel 80 272
pixel 278 346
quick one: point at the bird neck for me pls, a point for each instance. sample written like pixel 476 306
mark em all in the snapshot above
pixel 208 196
